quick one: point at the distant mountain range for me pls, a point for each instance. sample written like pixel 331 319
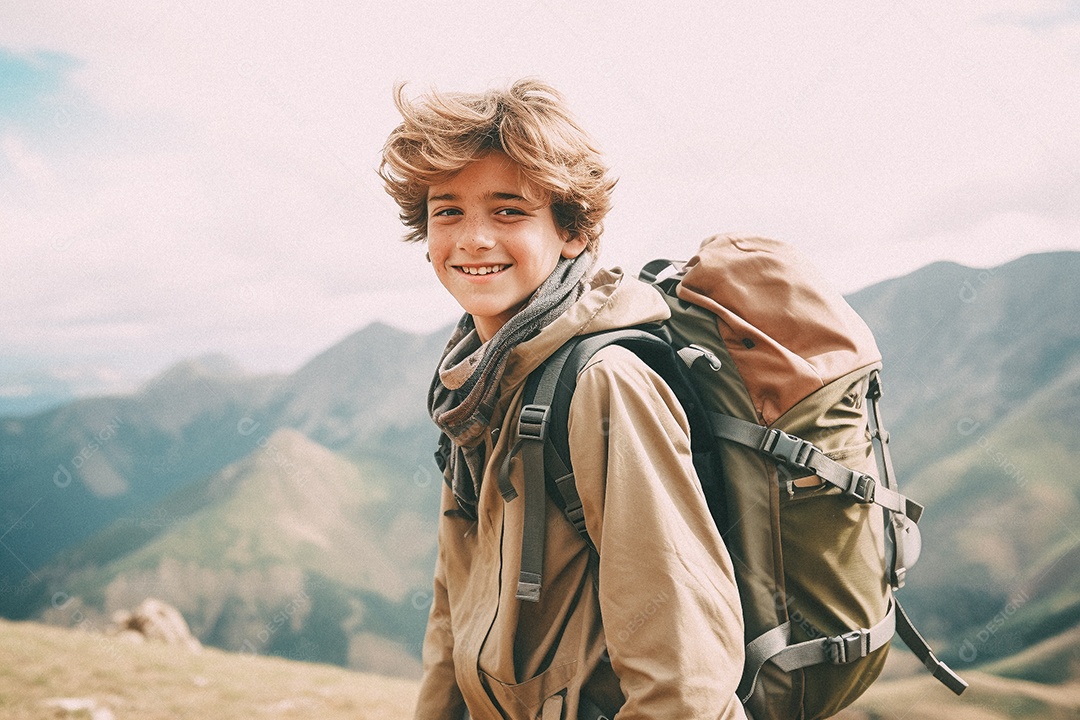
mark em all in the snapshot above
pixel 295 515
pixel 30 385
pixel 238 498
pixel 982 395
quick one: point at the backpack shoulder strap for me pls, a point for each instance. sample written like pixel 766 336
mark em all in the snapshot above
pixel 543 434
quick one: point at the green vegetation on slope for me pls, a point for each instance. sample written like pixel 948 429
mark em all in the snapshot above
pixel 293 551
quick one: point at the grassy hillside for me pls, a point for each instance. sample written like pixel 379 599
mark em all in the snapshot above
pixel 1041 682
pixel 989 698
pixel 42 665
pixel 1054 661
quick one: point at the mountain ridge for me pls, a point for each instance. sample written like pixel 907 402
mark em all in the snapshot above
pixel 278 531
pixel 119 455
pixel 982 397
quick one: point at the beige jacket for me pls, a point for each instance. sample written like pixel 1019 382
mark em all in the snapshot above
pixel 660 633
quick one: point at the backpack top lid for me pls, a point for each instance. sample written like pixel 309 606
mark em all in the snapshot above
pixel 788 332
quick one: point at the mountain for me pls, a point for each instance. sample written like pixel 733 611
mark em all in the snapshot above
pixel 33 384
pixel 982 397
pixel 30 391
pixel 104 497
pixel 964 344
pixel 68 472
pixel 292 550
pixel 366 392
pixel 298 511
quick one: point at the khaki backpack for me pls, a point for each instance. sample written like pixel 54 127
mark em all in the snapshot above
pixel 780 380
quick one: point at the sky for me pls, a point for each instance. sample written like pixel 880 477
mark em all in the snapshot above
pixel 182 178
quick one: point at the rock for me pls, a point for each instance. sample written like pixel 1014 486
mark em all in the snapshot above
pixel 80 707
pixel 154 620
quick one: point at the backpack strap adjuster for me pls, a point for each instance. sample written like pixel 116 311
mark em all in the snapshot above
pixel 533 422
pixel 787 448
pixel 863 488
pixel 849 647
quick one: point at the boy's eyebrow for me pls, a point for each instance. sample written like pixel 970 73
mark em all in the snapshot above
pixel 494 196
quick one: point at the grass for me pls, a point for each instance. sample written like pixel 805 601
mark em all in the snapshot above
pixel 988 698
pixel 41 664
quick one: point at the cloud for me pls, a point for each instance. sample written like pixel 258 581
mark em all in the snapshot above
pixel 210 184
pixel 1040 16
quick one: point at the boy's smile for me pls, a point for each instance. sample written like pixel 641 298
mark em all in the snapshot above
pixel 485 270
pixel 491 242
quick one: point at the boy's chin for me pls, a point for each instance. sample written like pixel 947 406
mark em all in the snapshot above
pixel 487 323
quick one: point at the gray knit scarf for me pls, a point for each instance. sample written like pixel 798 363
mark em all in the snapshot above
pixel 465 388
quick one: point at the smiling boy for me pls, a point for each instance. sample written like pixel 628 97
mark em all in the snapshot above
pixel 510 193
pixel 492 247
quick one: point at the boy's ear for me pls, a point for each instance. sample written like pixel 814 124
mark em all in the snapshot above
pixel 574 245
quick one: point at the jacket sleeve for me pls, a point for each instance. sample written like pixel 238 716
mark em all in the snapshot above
pixel 668 598
pixel 439 697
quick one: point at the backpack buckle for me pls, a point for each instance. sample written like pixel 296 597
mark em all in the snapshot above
pixel 533 422
pixel 862 487
pixel 787 448
pixel 849 647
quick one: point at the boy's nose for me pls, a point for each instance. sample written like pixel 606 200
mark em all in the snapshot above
pixel 476 235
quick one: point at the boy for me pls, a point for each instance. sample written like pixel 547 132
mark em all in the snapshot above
pixel 510 193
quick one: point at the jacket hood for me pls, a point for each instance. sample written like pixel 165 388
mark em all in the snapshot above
pixel 612 300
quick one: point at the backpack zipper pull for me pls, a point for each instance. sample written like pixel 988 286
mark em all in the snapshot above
pixel 692 353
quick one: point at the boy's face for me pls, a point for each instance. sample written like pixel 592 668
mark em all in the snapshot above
pixel 489 245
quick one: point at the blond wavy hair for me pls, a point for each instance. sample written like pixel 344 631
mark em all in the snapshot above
pixel 529 121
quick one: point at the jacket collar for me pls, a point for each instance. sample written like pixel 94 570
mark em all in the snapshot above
pixel 612 301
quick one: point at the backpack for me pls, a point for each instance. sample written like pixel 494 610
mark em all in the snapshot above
pixel 780 381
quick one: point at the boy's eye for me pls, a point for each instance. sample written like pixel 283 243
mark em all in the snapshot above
pixel 510 211
pixel 445 212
